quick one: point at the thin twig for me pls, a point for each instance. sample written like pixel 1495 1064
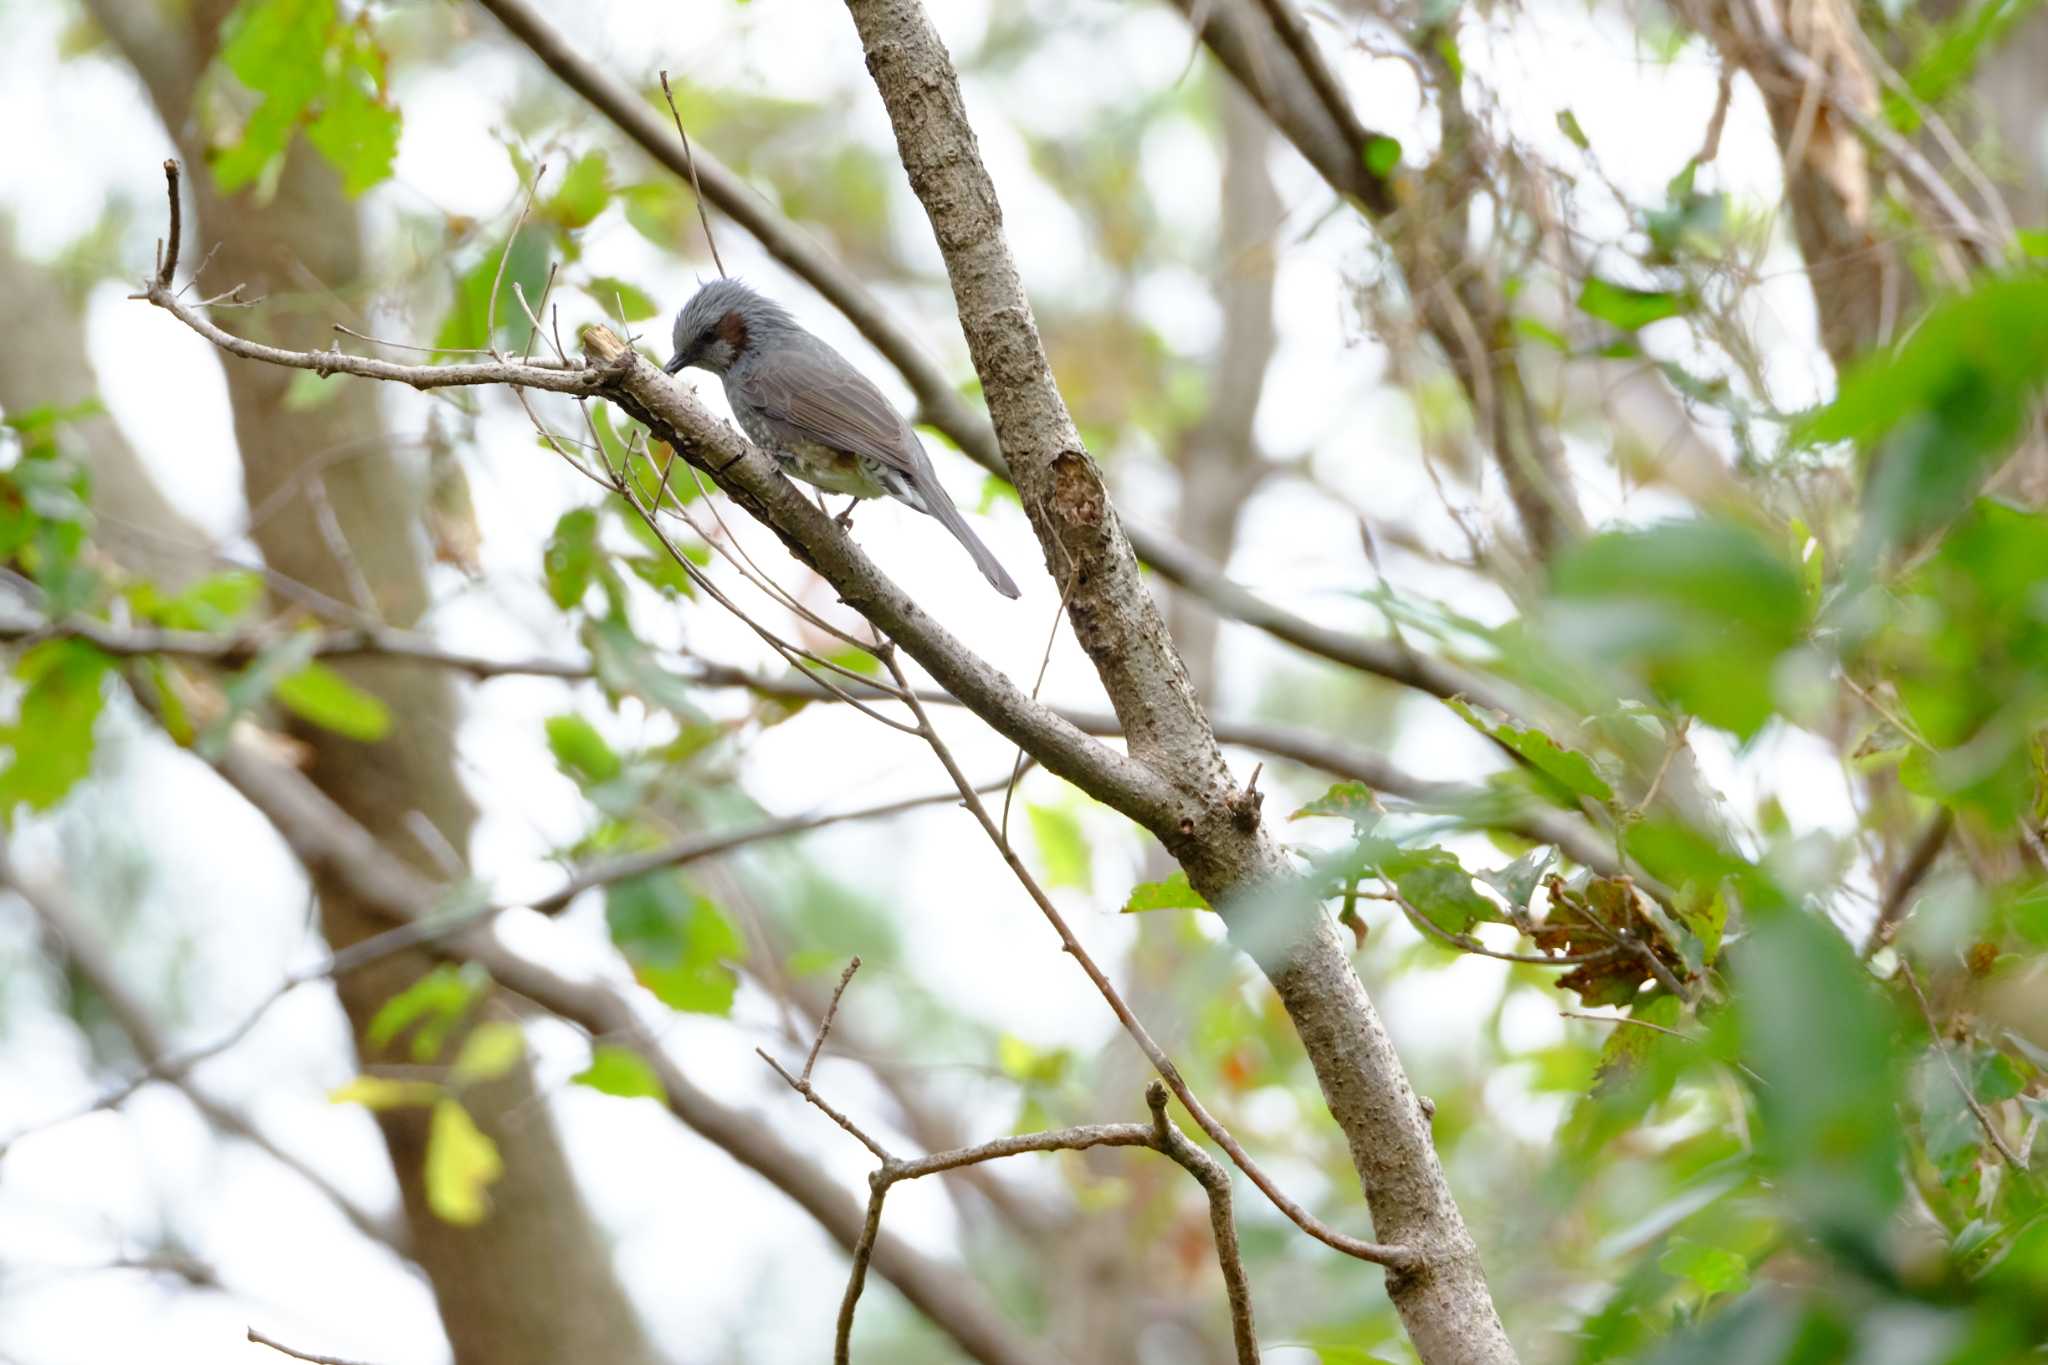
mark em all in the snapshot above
pixel 825 1024
pixel 1899 894
pixel 1161 1136
pixel 167 259
pixel 1465 943
pixel 1982 1115
pixel 295 1353
pixel 696 187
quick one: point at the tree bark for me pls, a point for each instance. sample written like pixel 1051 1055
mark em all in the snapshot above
pixel 534 1283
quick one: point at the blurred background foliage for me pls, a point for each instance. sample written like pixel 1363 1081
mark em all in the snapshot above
pixel 1788 672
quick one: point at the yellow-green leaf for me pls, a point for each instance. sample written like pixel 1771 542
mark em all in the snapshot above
pixel 490 1050
pixel 461 1164
pixel 383 1092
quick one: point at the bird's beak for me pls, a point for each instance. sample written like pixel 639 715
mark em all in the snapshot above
pixel 675 364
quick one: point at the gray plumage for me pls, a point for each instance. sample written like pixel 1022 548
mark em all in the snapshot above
pixel 822 419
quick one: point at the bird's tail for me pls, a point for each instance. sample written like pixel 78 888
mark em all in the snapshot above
pixel 933 500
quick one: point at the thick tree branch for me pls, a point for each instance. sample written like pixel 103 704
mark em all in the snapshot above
pixel 1444 1303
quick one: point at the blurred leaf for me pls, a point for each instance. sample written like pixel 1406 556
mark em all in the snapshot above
pixel 1944 61
pixel 620 1071
pixel 492 1048
pixel 1382 155
pixel 1062 846
pixel 614 295
pixel 580 751
pixel 583 193
pixel 437 1001
pixel 468 325
pixel 1517 882
pixel 1703 608
pixel 461 1164
pixel 1568 124
pixel 311 68
pixel 1629 308
pixel 1567 773
pixel 319 694
pixel 677 942
pixel 213 603
pixel 1829 1125
pixel 1937 411
pixel 570 557
pixel 626 667
pixel 384 1092
pixel 1435 883
pixel 1172 894
pixel 1353 801
pixel 50 742
pixel 1711 1270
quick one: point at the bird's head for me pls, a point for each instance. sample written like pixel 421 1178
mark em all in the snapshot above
pixel 721 323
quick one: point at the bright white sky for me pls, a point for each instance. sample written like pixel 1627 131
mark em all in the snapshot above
pixel 219 910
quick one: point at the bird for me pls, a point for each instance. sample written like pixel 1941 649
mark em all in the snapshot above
pixel 823 420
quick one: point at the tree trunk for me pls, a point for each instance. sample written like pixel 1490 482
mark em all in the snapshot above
pixel 533 1284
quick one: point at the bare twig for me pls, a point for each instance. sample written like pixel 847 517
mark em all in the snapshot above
pixel 1899 894
pixel 1977 1110
pixel 294 1352
pixel 696 186
pixel 1465 943
pixel 167 257
pixel 825 1024
pixel 1161 1136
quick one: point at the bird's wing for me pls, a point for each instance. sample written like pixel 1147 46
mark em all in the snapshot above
pixel 828 401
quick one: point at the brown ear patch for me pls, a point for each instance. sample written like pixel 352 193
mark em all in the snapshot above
pixel 732 330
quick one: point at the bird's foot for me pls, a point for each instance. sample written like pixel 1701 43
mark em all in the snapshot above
pixel 845 519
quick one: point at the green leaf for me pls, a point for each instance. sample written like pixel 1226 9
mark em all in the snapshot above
pixel 492 1048
pixel 620 1071
pixel 626 667
pixel 213 603
pixel 1353 801
pixel 49 745
pixel 1435 883
pixel 1062 846
pixel 1997 1077
pixel 615 297
pixel 467 326
pixel 436 1002
pixel 314 69
pixel 1517 882
pixel 1829 1127
pixel 319 694
pixel 677 942
pixel 1936 413
pixel 1569 774
pixel 1568 124
pixel 1711 1270
pixel 1629 308
pixel 583 192
pixel 1382 155
pixel 384 1092
pixel 461 1164
pixel 1703 609
pixel 570 558
pixel 580 751
pixel 1172 894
